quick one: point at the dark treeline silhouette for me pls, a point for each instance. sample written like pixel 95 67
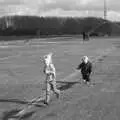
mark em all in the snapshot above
pixel 44 26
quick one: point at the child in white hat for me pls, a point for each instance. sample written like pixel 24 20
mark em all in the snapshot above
pixel 50 73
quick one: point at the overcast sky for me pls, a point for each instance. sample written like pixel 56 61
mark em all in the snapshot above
pixel 80 8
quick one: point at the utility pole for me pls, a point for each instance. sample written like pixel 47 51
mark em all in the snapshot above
pixel 105 9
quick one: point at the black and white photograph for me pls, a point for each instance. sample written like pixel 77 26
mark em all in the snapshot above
pixel 59 60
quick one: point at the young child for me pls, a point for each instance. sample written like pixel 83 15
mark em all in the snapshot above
pixel 50 73
pixel 86 68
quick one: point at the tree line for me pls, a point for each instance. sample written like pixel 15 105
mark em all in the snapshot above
pixel 39 26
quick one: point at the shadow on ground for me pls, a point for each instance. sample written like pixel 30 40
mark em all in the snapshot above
pixel 66 85
pixel 18 101
pixel 11 115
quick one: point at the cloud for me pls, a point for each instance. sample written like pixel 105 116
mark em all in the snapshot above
pixel 73 13
pixel 60 7
pixel 20 10
pixel 112 15
pixel 10 2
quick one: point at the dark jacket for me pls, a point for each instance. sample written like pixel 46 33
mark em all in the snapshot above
pixel 85 68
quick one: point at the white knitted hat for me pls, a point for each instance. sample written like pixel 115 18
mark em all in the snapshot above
pixel 48 58
pixel 85 59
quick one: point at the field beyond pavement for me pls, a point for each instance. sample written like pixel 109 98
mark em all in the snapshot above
pixel 21 77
